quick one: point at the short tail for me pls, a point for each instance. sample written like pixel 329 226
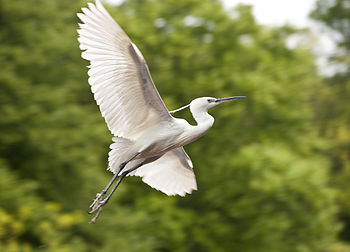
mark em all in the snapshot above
pixel 121 150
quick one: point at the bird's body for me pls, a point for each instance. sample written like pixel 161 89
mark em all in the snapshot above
pixel 171 134
pixel 148 142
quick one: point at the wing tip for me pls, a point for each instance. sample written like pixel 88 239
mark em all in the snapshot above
pixel 80 15
pixel 182 193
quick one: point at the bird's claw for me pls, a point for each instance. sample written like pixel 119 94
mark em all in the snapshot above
pixel 97 206
pixel 96 201
pixel 93 220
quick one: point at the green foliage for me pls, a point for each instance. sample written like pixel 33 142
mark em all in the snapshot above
pixel 336 15
pixel 262 177
pixel 26 221
pixel 332 108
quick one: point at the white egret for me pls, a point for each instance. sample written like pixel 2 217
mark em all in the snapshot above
pixel 148 141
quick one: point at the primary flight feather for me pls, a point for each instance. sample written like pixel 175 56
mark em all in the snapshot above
pixel 148 142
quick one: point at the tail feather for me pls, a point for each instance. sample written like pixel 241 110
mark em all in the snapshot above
pixel 121 150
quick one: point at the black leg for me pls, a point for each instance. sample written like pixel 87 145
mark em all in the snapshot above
pixel 122 176
pixel 122 165
pixel 99 196
pixel 109 184
pixel 98 206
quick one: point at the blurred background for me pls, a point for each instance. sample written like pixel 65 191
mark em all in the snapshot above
pixel 273 173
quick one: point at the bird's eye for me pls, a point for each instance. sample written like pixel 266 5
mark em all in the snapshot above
pixel 210 100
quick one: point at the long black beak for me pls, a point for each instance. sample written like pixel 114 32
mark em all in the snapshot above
pixel 229 98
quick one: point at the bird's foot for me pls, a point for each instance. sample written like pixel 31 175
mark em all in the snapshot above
pixel 99 210
pixel 96 202
pixel 97 206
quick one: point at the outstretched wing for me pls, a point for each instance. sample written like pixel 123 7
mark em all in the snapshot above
pixel 118 75
pixel 171 174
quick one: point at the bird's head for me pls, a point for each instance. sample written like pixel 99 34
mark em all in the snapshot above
pixel 205 103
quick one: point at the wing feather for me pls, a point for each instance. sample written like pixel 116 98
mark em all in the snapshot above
pixel 118 75
pixel 171 174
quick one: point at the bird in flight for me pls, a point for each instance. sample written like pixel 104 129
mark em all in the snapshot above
pixel 148 142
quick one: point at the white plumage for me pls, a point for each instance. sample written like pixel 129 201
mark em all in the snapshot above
pixel 172 173
pixel 147 139
pixel 115 81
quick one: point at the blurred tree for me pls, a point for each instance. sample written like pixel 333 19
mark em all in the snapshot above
pixel 27 222
pixel 335 14
pixel 332 105
pixel 261 175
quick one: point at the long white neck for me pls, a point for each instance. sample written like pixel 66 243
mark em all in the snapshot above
pixel 201 116
pixel 204 123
